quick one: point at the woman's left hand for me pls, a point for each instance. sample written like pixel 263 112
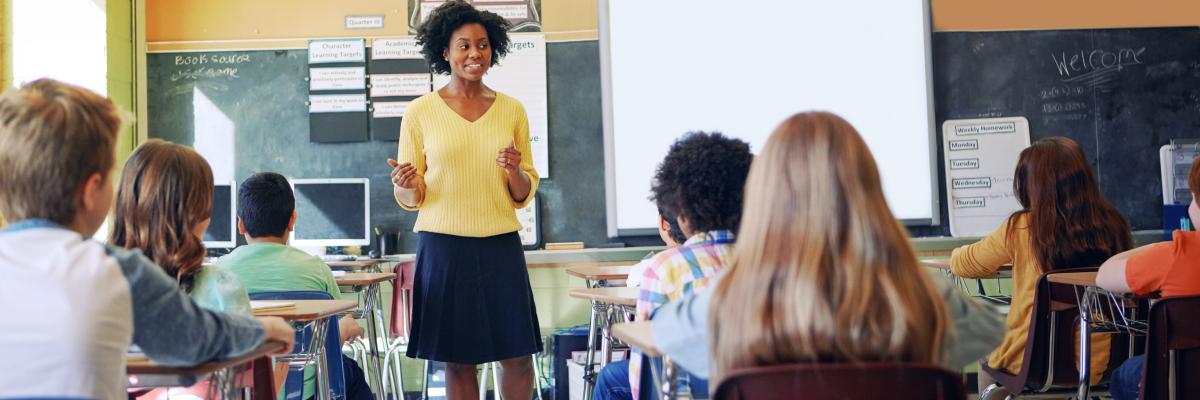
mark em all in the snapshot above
pixel 510 159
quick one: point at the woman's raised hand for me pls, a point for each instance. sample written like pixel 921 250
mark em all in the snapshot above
pixel 404 176
pixel 510 158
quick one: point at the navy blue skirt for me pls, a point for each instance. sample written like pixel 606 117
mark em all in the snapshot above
pixel 472 302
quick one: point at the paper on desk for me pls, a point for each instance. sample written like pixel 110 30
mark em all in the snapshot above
pixel 259 305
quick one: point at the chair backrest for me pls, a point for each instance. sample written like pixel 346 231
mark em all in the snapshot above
pixel 294 386
pixel 1049 355
pixel 876 380
pixel 402 299
pixel 1174 328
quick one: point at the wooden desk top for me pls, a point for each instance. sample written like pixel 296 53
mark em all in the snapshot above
pixel 358 264
pixel 139 364
pixel 625 296
pixel 364 278
pixel 637 335
pixel 944 264
pixel 597 273
pixel 308 310
pixel 1074 278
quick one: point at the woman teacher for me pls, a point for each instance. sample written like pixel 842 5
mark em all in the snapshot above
pixel 464 163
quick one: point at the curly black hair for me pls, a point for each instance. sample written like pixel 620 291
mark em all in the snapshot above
pixel 702 179
pixel 434 33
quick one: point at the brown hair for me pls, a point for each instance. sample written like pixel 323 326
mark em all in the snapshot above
pixel 822 270
pixel 53 136
pixel 1070 222
pixel 165 192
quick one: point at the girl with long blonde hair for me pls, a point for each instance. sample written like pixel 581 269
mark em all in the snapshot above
pixel 823 270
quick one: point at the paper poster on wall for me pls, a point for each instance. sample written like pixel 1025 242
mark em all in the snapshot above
pixel 388 109
pixel 981 155
pixel 396 49
pixel 337 51
pixel 347 78
pixel 394 85
pixel 522 75
pixel 336 103
pixel 524 15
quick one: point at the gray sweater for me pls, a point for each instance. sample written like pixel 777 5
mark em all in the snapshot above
pixel 681 329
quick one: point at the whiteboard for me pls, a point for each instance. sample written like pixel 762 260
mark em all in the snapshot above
pixel 981 158
pixel 741 68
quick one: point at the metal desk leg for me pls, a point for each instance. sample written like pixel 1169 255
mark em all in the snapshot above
pixel 320 329
pixel 589 373
pixel 1085 346
pixel 372 308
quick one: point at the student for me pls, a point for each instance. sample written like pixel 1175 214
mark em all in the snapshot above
pixel 668 231
pixel 700 183
pixel 266 215
pixel 164 205
pixel 73 306
pixel 818 230
pixel 1064 222
pixel 1168 268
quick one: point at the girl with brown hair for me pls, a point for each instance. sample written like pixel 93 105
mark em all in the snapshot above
pixel 163 207
pixel 1064 222
pixel 822 271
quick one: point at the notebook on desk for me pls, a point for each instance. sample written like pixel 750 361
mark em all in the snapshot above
pixel 261 305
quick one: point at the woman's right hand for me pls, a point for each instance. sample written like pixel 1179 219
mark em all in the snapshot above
pixel 278 330
pixel 404 176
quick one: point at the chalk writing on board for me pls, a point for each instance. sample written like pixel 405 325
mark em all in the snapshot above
pixel 1084 61
pixel 1060 91
pixel 205 72
pixel 1063 107
pixel 201 59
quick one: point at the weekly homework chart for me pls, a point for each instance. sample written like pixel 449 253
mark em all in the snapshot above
pixel 981 155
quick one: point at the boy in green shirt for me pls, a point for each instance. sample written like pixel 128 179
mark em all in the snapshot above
pixel 266 216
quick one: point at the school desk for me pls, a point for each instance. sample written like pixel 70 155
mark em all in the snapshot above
pixel 1100 311
pixel 314 314
pixel 367 287
pixel 608 304
pixel 371 265
pixel 598 274
pixel 144 373
pixel 996 296
pixel 640 336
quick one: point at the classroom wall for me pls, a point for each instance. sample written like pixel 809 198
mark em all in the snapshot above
pixel 5 45
pixel 1010 15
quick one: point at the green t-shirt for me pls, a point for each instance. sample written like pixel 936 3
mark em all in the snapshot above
pixel 218 289
pixel 271 267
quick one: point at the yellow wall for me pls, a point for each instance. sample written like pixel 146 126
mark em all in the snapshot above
pixel 5 45
pixel 1007 15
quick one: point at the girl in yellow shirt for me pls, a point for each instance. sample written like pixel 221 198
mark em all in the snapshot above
pixel 1064 222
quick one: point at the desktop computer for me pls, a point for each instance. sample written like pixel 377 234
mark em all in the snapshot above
pixel 222 228
pixel 332 212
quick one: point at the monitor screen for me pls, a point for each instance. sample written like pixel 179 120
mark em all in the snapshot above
pixel 332 212
pixel 222 228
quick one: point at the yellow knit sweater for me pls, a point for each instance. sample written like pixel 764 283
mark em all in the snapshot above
pixel 466 193
pixel 983 259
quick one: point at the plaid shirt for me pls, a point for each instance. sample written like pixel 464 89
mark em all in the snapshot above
pixel 674 273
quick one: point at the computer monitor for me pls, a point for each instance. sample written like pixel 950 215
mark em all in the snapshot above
pixel 332 212
pixel 222 228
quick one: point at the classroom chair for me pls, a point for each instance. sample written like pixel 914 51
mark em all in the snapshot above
pixel 843 381
pixel 399 326
pixel 1173 350
pixel 294 386
pixel 1048 366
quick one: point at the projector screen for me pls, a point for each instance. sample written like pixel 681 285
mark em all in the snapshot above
pixel 740 68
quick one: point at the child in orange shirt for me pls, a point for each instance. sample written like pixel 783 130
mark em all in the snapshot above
pixel 1168 268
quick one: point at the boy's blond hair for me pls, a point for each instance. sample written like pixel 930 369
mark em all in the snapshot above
pixel 53 136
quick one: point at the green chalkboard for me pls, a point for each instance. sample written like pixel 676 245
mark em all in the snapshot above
pixel 259 98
